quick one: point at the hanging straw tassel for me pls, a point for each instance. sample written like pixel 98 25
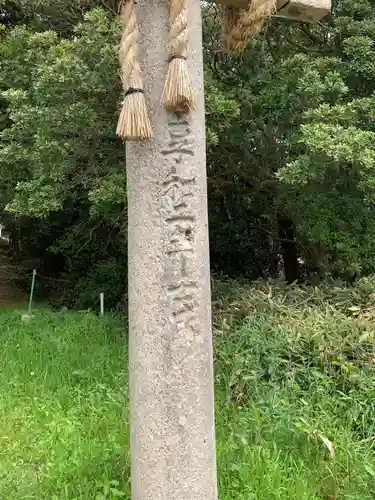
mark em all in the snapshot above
pixel 178 93
pixel 241 26
pixel 231 16
pixel 134 123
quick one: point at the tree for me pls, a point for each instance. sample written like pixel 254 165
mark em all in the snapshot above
pixel 289 143
pixel 330 182
pixel 60 160
pixel 292 75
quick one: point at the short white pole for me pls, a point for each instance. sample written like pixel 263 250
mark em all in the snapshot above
pixel 101 303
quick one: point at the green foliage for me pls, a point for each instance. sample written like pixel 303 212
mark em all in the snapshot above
pixel 60 161
pixel 106 277
pixel 336 171
pixel 61 136
pixel 303 144
pixel 294 398
pixel 295 388
pixel 290 135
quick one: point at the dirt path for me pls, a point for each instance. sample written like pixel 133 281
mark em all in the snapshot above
pixel 10 294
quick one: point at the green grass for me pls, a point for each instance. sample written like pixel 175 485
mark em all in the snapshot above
pixel 295 399
pixel 63 427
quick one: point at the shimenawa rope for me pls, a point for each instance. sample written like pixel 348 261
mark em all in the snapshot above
pixel 241 25
pixel 133 123
pixel 178 93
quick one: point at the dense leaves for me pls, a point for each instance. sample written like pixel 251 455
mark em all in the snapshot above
pixel 290 143
pixel 303 147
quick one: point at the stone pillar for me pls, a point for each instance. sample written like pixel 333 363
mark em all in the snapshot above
pixel 171 375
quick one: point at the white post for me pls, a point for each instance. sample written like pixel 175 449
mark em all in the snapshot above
pixel 101 303
pixel 171 373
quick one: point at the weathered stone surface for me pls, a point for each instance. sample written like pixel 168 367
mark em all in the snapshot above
pixel 309 11
pixel 171 375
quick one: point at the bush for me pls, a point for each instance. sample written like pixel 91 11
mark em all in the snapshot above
pixel 295 387
pixel 107 277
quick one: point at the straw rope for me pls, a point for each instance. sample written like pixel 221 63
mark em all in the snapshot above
pixel 133 123
pixel 240 25
pixel 178 93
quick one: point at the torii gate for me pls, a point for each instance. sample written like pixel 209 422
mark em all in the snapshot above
pixel 171 368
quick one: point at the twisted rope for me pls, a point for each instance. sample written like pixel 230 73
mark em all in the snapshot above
pixel 178 93
pixel 240 26
pixel 133 123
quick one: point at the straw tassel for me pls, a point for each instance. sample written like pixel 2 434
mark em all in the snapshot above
pixel 178 93
pixel 240 26
pixel 133 123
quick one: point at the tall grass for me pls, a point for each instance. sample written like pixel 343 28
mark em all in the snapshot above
pixel 295 389
pixel 295 399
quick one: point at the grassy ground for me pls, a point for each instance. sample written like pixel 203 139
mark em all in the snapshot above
pixel 295 396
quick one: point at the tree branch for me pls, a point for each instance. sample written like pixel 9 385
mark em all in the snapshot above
pixel 306 29
pixel 302 48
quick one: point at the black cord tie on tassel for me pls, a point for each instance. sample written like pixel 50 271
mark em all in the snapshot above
pixel 176 56
pixel 132 90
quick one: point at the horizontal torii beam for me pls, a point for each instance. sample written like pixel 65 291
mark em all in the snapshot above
pixel 308 11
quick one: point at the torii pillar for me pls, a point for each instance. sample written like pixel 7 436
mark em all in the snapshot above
pixel 171 369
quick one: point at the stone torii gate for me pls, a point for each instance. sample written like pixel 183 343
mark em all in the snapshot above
pixel 171 368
